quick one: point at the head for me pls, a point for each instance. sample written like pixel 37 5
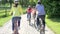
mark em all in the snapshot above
pixel 15 3
pixel 29 6
pixel 33 6
pixel 39 2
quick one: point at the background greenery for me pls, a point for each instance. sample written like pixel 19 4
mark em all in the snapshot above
pixel 53 24
pixel 52 7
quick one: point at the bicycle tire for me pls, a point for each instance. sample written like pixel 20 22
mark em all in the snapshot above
pixel 15 27
pixel 41 27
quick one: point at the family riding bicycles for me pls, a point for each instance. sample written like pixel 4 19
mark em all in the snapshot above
pixel 38 15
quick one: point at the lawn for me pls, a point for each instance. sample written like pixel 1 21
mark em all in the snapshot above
pixel 54 24
pixel 3 18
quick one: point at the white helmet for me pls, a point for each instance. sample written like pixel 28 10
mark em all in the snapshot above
pixel 15 1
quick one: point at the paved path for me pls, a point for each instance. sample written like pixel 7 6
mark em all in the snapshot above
pixel 25 28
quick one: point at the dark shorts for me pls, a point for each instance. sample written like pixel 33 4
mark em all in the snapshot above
pixel 43 19
pixel 28 16
pixel 13 21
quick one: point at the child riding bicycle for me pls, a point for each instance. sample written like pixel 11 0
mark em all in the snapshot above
pixel 29 10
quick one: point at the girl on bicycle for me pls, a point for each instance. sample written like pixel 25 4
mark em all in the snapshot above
pixel 29 10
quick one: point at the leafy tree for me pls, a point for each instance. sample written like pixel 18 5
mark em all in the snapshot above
pixel 52 7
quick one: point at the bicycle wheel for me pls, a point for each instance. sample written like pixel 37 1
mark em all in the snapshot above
pixel 41 26
pixel 29 21
pixel 16 27
pixel 35 24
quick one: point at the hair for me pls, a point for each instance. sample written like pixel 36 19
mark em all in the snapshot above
pixel 39 2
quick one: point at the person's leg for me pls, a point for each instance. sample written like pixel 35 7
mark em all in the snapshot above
pixel 43 21
pixel 18 23
pixel 19 19
pixel 27 16
pixel 30 15
pixel 38 24
pixel 37 21
pixel 13 24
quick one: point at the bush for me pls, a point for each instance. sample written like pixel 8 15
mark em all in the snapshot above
pixel 52 7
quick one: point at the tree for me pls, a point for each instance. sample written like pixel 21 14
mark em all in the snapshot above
pixel 52 7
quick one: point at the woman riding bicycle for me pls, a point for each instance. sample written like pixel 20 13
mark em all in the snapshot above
pixel 16 12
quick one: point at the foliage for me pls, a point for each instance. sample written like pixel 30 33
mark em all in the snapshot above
pixel 27 2
pixel 52 7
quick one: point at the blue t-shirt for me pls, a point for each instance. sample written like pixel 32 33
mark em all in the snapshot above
pixel 40 9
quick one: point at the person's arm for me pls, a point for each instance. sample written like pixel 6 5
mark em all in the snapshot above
pixel 26 10
pixel 36 10
pixel 11 11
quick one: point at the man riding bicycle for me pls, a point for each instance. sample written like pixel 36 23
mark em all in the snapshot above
pixel 41 13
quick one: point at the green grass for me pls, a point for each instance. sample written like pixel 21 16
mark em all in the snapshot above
pixel 4 20
pixel 54 24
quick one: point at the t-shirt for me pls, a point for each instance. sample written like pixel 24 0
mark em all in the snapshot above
pixel 40 9
pixel 17 11
pixel 29 10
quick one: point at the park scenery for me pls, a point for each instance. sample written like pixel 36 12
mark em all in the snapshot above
pixel 52 17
